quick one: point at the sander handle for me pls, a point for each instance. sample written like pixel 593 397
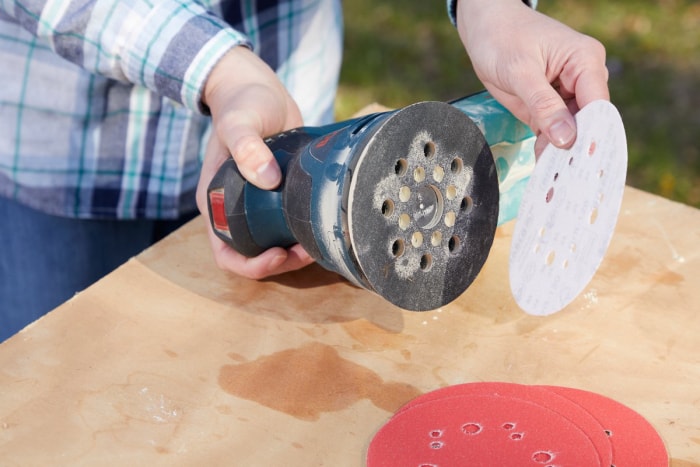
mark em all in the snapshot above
pixel 247 218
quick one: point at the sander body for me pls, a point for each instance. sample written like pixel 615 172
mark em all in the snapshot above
pixel 404 203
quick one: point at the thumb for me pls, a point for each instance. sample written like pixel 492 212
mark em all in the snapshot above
pixel 253 157
pixel 559 128
pixel 550 115
pixel 242 122
pixel 548 112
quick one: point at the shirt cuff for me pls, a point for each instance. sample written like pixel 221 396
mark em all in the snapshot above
pixel 452 8
pixel 176 48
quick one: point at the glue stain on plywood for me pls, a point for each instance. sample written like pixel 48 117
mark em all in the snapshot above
pixel 310 380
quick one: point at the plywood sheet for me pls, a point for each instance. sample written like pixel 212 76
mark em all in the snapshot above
pixel 169 361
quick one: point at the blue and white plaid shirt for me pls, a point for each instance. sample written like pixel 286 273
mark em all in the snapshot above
pixel 100 111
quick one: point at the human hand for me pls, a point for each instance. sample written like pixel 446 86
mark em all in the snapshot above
pixel 247 102
pixel 538 68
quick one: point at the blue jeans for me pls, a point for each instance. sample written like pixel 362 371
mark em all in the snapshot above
pixel 45 260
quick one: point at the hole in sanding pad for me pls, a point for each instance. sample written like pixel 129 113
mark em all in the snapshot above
pixel 467 204
pixel 419 174
pixel 401 167
pixel 456 165
pixel 397 248
pixel 450 219
pixel 417 239
pixel 453 244
pixel 438 173
pixel 426 262
pixel 429 149
pixel 388 208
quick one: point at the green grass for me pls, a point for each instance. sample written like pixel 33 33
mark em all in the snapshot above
pixel 397 53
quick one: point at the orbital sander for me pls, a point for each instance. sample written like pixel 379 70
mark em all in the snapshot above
pixel 404 203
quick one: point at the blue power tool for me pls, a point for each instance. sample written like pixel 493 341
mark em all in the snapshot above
pixel 404 203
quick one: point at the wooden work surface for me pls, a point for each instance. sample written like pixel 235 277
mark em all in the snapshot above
pixel 169 361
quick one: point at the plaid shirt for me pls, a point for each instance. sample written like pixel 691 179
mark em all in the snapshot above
pixel 100 111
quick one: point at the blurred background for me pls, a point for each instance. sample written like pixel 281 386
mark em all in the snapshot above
pixel 400 52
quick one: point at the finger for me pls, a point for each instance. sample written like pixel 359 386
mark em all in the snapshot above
pixel 548 111
pixel 592 86
pixel 261 266
pixel 297 258
pixel 254 159
pixel 248 116
pixel 241 131
pixel 269 263
pixel 227 258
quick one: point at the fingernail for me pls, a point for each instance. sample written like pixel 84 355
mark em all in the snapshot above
pixel 562 133
pixel 268 175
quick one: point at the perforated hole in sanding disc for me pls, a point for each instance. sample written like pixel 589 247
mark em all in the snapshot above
pixel 423 206
pixel 568 213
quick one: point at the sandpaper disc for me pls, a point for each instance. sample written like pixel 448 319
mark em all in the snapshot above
pixel 507 424
pixel 566 408
pixel 568 213
pixel 480 431
pixel 634 440
pixel 423 206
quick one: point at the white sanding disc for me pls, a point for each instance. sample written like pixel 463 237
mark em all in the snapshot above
pixel 568 213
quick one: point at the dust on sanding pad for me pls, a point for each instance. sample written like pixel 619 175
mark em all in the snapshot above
pixel 423 206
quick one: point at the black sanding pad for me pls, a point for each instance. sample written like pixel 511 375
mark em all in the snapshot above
pixel 423 206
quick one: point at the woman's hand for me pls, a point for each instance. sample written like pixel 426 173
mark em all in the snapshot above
pixel 538 68
pixel 247 102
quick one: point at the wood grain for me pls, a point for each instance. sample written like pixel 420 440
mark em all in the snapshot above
pixel 169 361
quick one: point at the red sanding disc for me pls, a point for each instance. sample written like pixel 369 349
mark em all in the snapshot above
pixel 565 407
pixel 634 440
pixel 480 430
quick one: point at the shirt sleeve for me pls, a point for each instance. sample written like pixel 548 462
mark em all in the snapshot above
pixel 168 46
pixel 452 8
